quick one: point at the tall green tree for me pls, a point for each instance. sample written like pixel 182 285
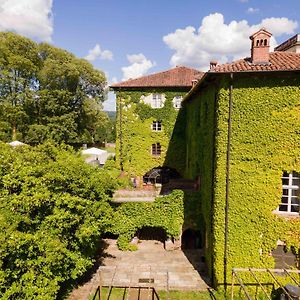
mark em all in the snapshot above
pixel 46 93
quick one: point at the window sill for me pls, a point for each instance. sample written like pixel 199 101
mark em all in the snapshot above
pixel 286 215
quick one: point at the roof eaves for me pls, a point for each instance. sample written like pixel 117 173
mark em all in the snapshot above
pixel 209 74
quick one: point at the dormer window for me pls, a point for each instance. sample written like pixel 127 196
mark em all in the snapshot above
pixel 177 102
pixel 156 125
pixel 290 193
pixel 157 101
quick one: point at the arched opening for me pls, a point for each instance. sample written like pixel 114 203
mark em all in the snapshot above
pixel 160 175
pixel 191 239
pixel 261 42
pixel 109 235
pixel 257 43
pixel 265 42
pixel 152 233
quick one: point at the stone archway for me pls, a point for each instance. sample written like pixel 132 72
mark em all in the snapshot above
pixel 152 233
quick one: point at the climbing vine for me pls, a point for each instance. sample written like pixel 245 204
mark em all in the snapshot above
pixel 166 212
pixel 135 136
pixel 265 142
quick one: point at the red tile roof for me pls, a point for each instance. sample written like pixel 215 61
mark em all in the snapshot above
pixel 177 77
pixel 279 61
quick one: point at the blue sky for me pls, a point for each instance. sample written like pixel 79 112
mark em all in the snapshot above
pixel 135 38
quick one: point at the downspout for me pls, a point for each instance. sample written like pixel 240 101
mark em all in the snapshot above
pixel 120 135
pixel 227 180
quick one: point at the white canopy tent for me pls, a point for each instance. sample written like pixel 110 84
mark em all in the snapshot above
pixel 16 143
pixel 95 154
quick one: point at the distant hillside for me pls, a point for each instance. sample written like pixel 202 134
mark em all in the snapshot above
pixel 112 115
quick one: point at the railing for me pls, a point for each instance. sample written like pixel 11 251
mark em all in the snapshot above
pixel 144 284
pixel 271 272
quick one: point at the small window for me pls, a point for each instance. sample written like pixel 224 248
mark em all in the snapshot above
pixel 156 149
pixel 157 101
pixel 290 193
pixel 265 42
pixel 177 102
pixel 257 43
pixel 156 125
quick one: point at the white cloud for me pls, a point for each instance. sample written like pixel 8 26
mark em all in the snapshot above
pixel 140 65
pixel 97 52
pixel 252 10
pixel 32 18
pixel 215 40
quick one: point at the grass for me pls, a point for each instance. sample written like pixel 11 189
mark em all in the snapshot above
pixel 121 294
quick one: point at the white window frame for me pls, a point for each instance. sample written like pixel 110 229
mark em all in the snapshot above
pixel 290 187
pixel 156 126
pixel 157 101
pixel 177 102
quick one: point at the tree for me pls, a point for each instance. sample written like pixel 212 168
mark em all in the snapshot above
pixel 44 92
pixel 53 208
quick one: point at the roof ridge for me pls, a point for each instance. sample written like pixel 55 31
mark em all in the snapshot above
pixel 130 82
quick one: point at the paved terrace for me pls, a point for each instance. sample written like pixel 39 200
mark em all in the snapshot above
pixel 125 268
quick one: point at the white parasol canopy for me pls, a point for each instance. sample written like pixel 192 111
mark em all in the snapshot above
pixel 94 151
pixel 16 143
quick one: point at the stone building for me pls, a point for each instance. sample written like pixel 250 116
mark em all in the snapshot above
pixel 238 131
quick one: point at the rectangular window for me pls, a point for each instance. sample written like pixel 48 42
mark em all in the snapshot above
pixel 156 149
pixel 156 125
pixel 157 101
pixel 290 193
pixel 177 102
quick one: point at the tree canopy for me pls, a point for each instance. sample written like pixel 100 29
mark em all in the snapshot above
pixel 48 93
pixel 53 208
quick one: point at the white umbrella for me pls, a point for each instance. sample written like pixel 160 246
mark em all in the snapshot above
pixel 16 143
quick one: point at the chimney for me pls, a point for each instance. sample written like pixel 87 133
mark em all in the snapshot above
pixel 260 46
pixel 212 64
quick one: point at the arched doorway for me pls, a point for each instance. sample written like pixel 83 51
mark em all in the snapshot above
pixel 109 235
pixel 152 233
pixel 160 175
pixel 191 239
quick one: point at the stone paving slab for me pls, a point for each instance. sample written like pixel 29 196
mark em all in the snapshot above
pixel 151 260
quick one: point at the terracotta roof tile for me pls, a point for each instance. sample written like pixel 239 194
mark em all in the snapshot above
pixel 279 61
pixel 176 77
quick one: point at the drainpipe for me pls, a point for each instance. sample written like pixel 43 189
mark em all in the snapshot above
pixel 227 179
pixel 120 135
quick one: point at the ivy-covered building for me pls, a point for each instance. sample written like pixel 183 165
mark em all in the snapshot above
pixel 238 130
pixel 147 109
pixel 243 140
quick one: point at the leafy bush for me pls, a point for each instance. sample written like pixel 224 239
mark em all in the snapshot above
pixel 53 208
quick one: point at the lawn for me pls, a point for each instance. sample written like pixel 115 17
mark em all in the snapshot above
pixel 122 294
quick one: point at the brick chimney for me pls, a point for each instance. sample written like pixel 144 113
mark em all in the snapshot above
pixel 260 46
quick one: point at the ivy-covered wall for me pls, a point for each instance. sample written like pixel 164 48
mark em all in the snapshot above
pixel 135 135
pixel 165 212
pixel 265 142
pixel 200 132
